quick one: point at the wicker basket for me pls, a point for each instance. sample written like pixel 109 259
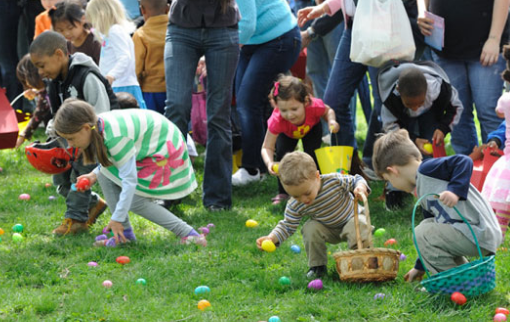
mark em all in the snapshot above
pixel 471 279
pixel 369 264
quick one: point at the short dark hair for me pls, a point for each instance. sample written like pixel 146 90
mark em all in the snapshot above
pixel 47 43
pixel 68 10
pixel 412 82
pixel 155 5
pixel 126 100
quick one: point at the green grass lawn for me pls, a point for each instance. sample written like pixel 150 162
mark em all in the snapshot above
pixel 44 278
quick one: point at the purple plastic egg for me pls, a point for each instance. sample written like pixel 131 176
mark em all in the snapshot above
pixel 210 226
pixel 379 296
pixel 315 284
pixel 101 237
pixel 52 198
pixel 92 264
pixel 204 230
pixel 403 257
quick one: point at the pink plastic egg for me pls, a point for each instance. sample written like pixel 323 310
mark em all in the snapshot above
pixel 107 284
pixel 92 264
pixel 315 284
pixel 211 225
pixel 499 317
pixel 204 230
pixel 24 196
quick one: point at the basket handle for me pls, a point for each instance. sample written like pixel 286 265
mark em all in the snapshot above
pixel 414 235
pixel 356 221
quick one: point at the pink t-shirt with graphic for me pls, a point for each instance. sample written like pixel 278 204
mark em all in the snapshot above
pixel 313 113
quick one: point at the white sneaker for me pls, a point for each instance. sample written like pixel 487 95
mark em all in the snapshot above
pixel 242 177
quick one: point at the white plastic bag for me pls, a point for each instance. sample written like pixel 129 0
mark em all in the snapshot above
pixel 381 32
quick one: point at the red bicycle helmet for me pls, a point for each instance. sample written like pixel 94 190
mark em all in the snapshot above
pixel 49 157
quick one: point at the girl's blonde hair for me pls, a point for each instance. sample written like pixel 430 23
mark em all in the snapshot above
pixel 289 87
pixel 103 14
pixel 72 115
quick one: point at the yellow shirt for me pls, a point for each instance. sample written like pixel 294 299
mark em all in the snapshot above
pixel 149 54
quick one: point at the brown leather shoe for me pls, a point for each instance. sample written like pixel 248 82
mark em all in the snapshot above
pixel 70 226
pixel 96 211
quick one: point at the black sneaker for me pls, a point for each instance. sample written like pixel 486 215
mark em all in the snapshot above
pixel 396 200
pixel 316 272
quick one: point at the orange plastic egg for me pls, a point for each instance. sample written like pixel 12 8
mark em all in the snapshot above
pixel 122 260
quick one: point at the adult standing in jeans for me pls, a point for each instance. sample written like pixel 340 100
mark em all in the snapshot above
pixel 473 38
pixel 271 42
pixel 205 28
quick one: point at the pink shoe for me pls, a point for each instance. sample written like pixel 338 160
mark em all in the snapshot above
pixel 279 198
pixel 198 240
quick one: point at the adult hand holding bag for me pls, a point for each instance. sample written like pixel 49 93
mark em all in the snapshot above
pixel 381 31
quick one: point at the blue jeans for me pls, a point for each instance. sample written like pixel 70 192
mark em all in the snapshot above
pixel 344 78
pixel 257 70
pixel 155 101
pixel 183 49
pixel 479 85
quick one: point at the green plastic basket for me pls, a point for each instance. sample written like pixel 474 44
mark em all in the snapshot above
pixel 471 279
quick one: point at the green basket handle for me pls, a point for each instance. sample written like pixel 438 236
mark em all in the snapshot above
pixel 414 235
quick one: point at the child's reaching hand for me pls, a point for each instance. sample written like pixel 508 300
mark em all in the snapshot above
pixel 361 192
pixel 333 126
pixel 272 168
pixel 414 275
pixel 92 179
pixel 268 237
pixel 448 198
pixel 438 137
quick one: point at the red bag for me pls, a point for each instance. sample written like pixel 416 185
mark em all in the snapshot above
pixel 8 123
pixel 199 114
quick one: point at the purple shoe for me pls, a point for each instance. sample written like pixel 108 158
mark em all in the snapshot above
pixel 110 242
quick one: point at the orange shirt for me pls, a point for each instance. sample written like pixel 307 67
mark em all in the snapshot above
pixel 42 23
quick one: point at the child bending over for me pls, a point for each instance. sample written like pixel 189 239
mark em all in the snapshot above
pixel 444 239
pixel 296 115
pixel 328 201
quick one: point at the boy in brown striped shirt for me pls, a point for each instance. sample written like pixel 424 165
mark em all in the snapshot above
pixel 329 202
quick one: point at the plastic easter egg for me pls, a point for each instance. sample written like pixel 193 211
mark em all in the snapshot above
pixel 107 284
pixel 211 225
pixel 380 232
pixel 250 223
pixel 458 298
pixel 18 228
pixel 402 257
pixel 503 310
pixel 73 187
pixel 51 198
pixel 204 230
pixel 17 238
pixel 274 318
pixel 122 260
pixel 499 317
pixel 379 296
pixel 284 280
pixel 295 248
pixel 107 232
pixel 428 147
pixel 275 168
pixel 47 185
pixel 24 196
pixel 202 289
pixel 0 239
pixel 101 237
pixel 391 241
pixel 83 184
pixel 2 231
pixel 315 284
pixel 92 264
pixel 203 304
pixel 141 281
pixel 268 246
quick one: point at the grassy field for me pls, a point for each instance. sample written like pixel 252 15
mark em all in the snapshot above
pixel 44 278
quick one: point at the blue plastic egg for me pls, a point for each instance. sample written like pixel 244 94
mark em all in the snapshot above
pixel 202 290
pixel 295 248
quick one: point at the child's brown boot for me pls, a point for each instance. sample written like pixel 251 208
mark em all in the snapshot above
pixel 96 211
pixel 70 226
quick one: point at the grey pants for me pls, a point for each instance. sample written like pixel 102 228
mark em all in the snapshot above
pixel 316 235
pixel 442 246
pixel 144 207
pixel 78 203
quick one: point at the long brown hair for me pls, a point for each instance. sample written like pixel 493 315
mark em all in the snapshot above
pixel 72 115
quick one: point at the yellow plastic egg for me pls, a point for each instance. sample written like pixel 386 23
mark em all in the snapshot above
pixel 428 147
pixel 203 304
pixel 275 168
pixel 250 223
pixel 268 246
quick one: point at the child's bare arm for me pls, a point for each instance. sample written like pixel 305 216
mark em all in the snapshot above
pixel 268 151
pixel 330 117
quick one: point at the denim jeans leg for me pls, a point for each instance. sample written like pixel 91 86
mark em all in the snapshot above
pixel 182 52
pixel 463 136
pixel 375 124
pixel 344 78
pixel 486 88
pixel 259 65
pixel 221 54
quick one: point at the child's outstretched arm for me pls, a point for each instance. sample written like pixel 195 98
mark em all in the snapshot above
pixel 330 117
pixel 270 237
pixel 268 151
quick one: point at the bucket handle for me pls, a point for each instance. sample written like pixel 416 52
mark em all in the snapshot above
pixel 414 235
pixel 356 221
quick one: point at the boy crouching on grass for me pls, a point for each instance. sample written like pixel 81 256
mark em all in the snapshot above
pixel 328 201
pixel 443 237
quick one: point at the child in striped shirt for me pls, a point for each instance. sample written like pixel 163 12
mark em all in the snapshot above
pixel 329 202
pixel 142 156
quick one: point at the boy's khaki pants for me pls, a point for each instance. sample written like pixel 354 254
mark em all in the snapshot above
pixel 316 235
pixel 442 246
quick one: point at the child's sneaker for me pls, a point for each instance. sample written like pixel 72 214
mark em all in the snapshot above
pixel 316 272
pixel 199 240
pixel 96 211
pixel 70 226
pixel 103 240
